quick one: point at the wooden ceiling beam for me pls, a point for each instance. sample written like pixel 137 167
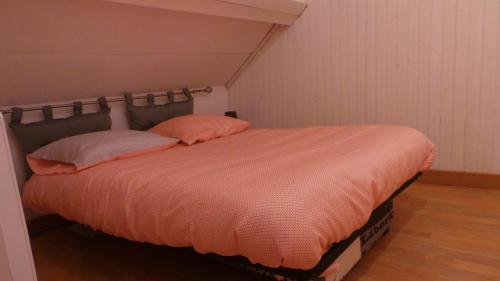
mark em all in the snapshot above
pixel 283 12
pixel 293 7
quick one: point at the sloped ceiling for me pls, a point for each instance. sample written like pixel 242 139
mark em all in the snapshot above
pixel 55 50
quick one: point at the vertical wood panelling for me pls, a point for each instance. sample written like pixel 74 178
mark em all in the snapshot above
pixel 371 62
pixel 401 79
pixel 412 57
pixel 462 43
pixel 490 57
pixel 424 56
pixel 473 91
pixel 437 24
pixel 430 64
pixel 496 132
pixel 444 140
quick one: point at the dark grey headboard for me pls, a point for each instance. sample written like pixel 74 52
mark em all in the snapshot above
pixel 150 115
pixel 32 136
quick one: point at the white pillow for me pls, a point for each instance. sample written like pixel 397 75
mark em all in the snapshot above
pixel 88 150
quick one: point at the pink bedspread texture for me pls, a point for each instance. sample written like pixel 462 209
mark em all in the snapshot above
pixel 280 197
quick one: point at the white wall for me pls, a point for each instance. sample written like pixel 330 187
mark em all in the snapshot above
pixel 14 239
pixel 429 64
pixel 214 103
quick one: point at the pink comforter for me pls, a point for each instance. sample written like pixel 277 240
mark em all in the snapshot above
pixel 277 197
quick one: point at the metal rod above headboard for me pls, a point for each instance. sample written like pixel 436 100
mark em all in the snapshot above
pixel 121 99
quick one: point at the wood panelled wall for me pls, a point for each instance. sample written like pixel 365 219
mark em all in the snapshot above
pixel 429 64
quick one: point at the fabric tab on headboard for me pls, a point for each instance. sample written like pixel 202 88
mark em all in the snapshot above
pixel 103 104
pixel 78 108
pixel 17 115
pixel 48 114
pixel 151 99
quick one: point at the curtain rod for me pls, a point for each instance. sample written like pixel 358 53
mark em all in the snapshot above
pixel 111 100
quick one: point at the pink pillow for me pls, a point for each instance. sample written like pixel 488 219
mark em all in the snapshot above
pixel 202 128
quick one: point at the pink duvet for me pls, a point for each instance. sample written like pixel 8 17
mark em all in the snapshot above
pixel 277 197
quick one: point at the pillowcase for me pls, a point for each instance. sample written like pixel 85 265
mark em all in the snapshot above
pixel 76 153
pixel 193 128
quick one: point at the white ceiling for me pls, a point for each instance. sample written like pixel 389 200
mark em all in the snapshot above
pixel 55 50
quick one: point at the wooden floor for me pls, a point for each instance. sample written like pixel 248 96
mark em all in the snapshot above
pixel 439 233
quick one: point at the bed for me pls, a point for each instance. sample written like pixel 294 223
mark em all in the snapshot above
pixel 293 204
pixel 278 197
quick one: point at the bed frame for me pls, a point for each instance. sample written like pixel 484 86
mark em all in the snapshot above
pixel 377 226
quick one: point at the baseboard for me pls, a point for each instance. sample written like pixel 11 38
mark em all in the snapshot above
pixel 45 223
pixel 483 181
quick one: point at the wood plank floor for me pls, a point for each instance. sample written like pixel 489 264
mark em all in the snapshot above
pixel 439 233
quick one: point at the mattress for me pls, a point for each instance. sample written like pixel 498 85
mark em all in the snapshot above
pixel 279 197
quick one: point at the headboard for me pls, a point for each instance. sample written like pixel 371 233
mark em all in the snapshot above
pixel 33 135
pixel 149 115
